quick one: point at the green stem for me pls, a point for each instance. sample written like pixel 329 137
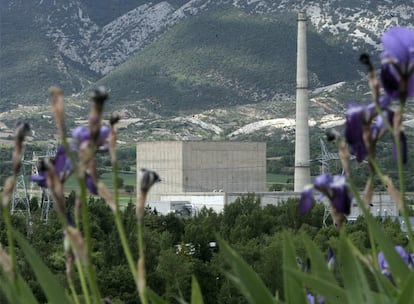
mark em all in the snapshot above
pixel 7 220
pixel 377 169
pixel 75 168
pixel 73 292
pixel 120 227
pixel 85 222
pixel 367 214
pixel 141 276
pixel 87 232
pixel 83 282
pixel 402 188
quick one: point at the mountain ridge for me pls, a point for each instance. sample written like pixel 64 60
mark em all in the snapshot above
pixel 74 43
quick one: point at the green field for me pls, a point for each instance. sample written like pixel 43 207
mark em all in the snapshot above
pixel 273 178
pixel 129 179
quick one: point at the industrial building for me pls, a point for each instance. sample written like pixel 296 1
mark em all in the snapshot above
pixel 197 174
pixel 204 167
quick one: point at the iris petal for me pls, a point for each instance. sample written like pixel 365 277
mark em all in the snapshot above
pixel 63 165
pixel 354 131
pixel 398 43
pixel 306 201
pixel 390 80
pixel 322 182
pixel 81 134
pixel 90 184
pixel 310 298
pixel 40 179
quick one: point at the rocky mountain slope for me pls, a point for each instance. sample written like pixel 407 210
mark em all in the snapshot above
pixel 74 43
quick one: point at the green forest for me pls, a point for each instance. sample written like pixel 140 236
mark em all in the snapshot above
pixel 179 248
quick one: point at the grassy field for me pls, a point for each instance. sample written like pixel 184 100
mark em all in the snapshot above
pixel 128 178
pixel 277 178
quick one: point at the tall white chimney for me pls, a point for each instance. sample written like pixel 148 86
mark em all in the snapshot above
pixel 302 168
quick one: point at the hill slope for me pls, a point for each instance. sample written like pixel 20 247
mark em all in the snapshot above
pixel 225 57
pixel 73 43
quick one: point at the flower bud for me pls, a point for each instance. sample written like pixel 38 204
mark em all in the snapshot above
pixel 149 178
pixel 58 108
pixel 99 94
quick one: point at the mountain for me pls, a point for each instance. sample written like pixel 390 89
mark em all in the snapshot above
pixel 180 54
pixel 225 56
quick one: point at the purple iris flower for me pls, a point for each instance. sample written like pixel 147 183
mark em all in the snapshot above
pixel 398 60
pixel 311 299
pixel 306 201
pixel 62 165
pixel 341 199
pixel 323 182
pixel 82 134
pixel 334 188
pixel 356 117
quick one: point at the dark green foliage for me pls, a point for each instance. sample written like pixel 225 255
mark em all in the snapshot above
pixel 256 233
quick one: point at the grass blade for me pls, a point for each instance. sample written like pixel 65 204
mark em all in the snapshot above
pixel 154 298
pixel 319 265
pixel 196 297
pixel 54 292
pixel 331 292
pixel 355 282
pixel 244 277
pixel 407 294
pixel 294 290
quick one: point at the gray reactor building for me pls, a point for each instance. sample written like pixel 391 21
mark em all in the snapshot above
pixel 204 166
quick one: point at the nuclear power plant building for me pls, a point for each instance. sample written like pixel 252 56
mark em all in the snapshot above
pixel 203 170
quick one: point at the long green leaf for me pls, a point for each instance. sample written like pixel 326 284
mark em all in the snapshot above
pixel 9 290
pixel 407 294
pixel 355 282
pixel 244 277
pixel 19 293
pixel 331 292
pixel 318 261
pixel 385 286
pixel 26 293
pixel 196 297
pixel 52 289
pixel 294 290
pixel 399 269
pixel 154 298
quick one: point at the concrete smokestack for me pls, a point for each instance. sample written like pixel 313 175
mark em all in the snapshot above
pixel 302 168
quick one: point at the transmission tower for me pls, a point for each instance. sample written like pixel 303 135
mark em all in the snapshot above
pixel 20 200
pixel 45 198
pixel 326 158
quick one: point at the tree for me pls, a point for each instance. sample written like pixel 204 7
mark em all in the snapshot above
pixel 129 189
